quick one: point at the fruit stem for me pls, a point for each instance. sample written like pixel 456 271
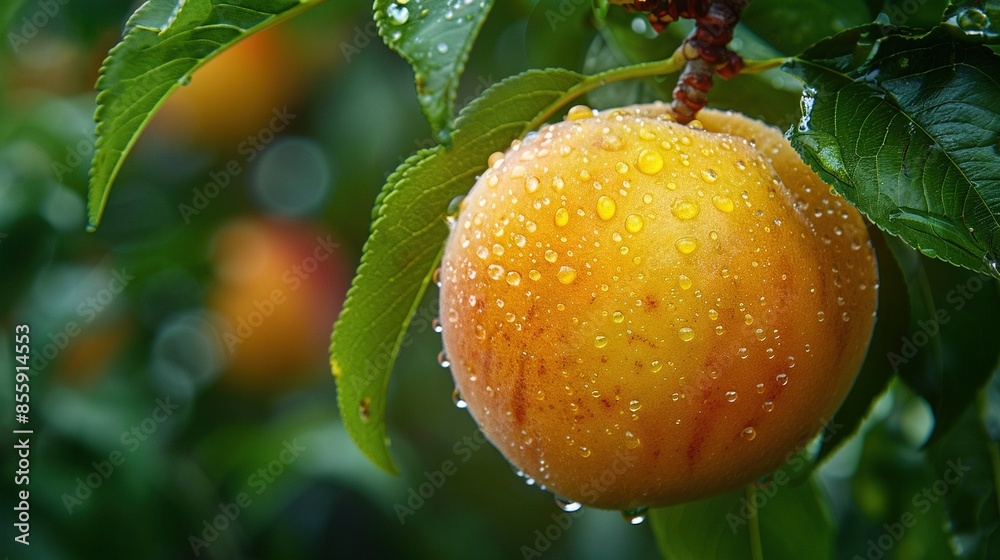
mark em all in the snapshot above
pixel 756 550
pixel 707 51
pixel 645 70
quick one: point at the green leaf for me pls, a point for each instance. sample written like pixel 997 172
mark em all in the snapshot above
pixel 435 37
pixel 164 42
pixel 950 349
pixel 794 523
pixel 973 20
pixel 907 128
pixel 407 237
pixel 792 25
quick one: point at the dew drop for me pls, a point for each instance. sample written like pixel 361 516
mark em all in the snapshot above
pixel 782 379
pixel 566 275
pixel 686 244
pixel 686 333
pixel 742 353
pixel 749 433
pixel 820 316
pixel 768 406
pixel 709 175
pixel 719 329
pixel 600 341
pixel 748 319
pixel 551 255
pixel 731 396
pixel 605 208
pixel 562 217
pixel 618 316
pixel 443 359
pixel 647 198
pixel 569 506
pixel 495 271
pixel 633 223
pixel 456 397
pixel 759 333
pixel 723 203
pixel 655 365
pixel 684 281
pixel 634 405
pixel 631 440
pixel 684 209
pixel 534 275
pixel 584 452
pixel 635 516
pixel 398 14
pixel 513 278
pixel 650 162
pixel 579 112
pixel 713 314
pixel 760 388
pixel 531 185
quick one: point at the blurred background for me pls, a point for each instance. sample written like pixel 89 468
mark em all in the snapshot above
pixel 181 397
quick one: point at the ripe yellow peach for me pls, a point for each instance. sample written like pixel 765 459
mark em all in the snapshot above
pixel 641 313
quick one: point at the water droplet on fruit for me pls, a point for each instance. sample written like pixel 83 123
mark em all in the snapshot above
pixel 634 405
pixel 584 452
pixel 569 506
pixel 820 316
pixel 566 275
pixel 634 516
pixel 713 314
pixel 534 275
pixel 513 278
pixel 647 198
pixel 633 223
pixel 605 208
pixel 656 365
pixel 456 397
pixel 551 255
pixel 650 162
pixel 684 282
pixel 443 359
pixel 759 333
pixel 768 406
pixel 686 333
pixel 749 433
pixel 684 209
pixel 731 396
pixel 782 379
pixel 600 341
pixel 686 244
pixel 631 441
pixel 618 316
pixel 723 203
pixel 494 271
pixel 578 112
pixel 562 217
pixel 748 319
pixel 709 175
pixel 742 353
pixel 760 388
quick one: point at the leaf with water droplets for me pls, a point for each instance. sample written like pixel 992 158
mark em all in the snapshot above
pixel 435 37
pixel 906 128
pixel 793 518
pixel 164 42
pixel 407 237
pixel 976 21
